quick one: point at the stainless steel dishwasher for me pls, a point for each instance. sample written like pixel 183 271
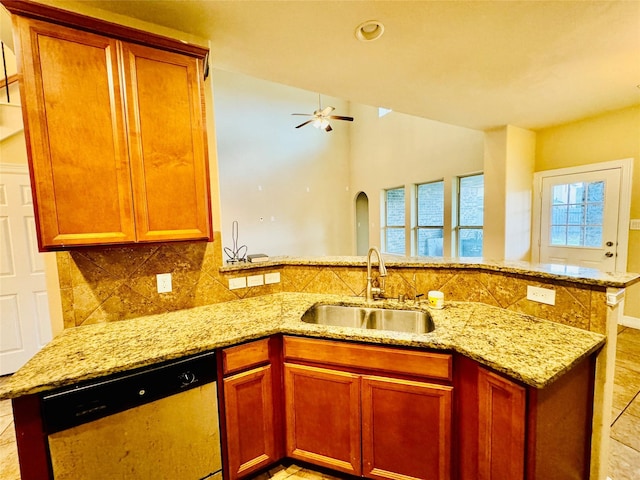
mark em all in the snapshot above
pixel 156 423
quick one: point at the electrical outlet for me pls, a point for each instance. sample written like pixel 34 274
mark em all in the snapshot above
pixel 270 278
pixel 238 282
pixel 255 280
pixel 163 282
pixel 541 295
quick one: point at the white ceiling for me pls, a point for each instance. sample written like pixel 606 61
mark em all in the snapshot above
pixel 479 64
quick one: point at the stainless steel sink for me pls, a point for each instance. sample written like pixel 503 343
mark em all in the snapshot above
pixel 410 321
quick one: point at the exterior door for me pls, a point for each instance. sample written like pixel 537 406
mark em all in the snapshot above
pixel 24 310
pixel 579 219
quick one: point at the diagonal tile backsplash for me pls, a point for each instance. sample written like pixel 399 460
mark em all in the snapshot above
pixel 105 284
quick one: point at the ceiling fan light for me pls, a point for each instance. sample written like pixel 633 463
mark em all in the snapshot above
pixel 369 31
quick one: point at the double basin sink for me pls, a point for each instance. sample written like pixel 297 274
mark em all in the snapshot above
pixel 397 320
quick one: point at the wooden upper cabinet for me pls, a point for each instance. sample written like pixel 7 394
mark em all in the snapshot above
pixel 166 139
pixel 103 173
pixel 76 136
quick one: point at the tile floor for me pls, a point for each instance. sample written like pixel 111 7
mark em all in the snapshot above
pixel 624 459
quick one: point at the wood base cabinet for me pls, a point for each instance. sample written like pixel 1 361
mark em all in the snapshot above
pixel 406 429
pixel 115 132
pixel 339 416
pixel 501 427
pixel 252 418
pixel 322 409
pixel 508 431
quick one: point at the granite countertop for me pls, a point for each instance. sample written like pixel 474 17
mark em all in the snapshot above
pixel 528 349
pixel 570 273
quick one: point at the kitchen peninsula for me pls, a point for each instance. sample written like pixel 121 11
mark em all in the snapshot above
pixel 533 354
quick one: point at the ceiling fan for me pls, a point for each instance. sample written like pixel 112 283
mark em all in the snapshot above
pixel 321 117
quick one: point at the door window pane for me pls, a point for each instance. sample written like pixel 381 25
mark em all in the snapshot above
pixel 593 237
pixel 558 235
pixel 577 214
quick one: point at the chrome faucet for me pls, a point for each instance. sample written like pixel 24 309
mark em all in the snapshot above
pixel 371 290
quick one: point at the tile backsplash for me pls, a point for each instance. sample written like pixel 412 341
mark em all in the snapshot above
pixel 104 284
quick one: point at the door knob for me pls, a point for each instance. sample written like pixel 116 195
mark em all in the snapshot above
pixel 609 244
pixel 608 254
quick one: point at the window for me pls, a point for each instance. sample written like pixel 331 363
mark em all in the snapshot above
pixel 430 221
pixel 577 214
pixel 394 221
pixel 470 215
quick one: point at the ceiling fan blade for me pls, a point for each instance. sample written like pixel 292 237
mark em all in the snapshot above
pixel 339 117
pixel 326 111
pixel 305 123
pixel 304 114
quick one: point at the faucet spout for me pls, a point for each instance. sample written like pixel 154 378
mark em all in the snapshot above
pixel 382 272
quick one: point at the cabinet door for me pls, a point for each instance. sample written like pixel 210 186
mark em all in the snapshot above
pixel 249 412
pixel 406 429
pixel 76 139
pixel 322 409
pixel 501 427
pixel 167 144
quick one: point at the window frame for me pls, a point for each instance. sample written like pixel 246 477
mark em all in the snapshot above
pixel 385 218
pixel 417 228
pixel 458 228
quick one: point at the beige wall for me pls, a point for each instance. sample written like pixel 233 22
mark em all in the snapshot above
pixel 403 150
pixel 610 136
pixel 288 188
pixel 509 156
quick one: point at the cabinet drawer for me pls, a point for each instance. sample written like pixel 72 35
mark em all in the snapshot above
pixel 245 356
pixel 369 357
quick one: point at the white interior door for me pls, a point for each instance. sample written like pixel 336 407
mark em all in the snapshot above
pixel 24 309
pixel 579 219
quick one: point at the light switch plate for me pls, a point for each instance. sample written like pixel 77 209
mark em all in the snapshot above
pixel 541 295
pixel 255 280
pixel 238 282
pixel 163 282
pixel 634 224
pixel 270 278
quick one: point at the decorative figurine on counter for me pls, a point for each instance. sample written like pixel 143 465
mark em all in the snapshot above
pixel 237 254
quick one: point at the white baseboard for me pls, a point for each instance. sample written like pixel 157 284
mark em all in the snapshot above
pixel 628 321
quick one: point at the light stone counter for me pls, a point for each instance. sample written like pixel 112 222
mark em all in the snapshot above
pixel 525 348
pixel 570 273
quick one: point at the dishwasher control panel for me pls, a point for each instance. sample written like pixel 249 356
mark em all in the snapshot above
pixel 88 401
